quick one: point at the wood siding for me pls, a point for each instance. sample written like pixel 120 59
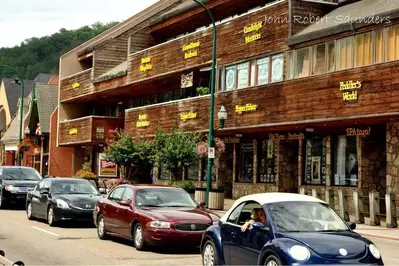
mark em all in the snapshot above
pixel 317 97
pixel 84 130
pixel 140 40
pixel 110 55
pixel 85 85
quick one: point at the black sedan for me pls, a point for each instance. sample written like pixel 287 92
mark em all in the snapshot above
pixel 16 182
pixel 62 199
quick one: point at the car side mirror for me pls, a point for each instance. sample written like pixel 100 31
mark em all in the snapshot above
pixel 259 226
pixel 126 203
pixel 351 225
pixel 202 204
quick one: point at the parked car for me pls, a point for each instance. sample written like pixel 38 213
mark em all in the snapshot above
pixel 62 199
pixel 16 182
pixel 299 230
pixel 152 215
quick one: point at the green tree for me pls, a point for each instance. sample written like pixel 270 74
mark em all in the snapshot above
pixel 175 150
pixel 42 55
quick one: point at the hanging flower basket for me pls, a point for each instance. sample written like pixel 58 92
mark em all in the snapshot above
pixel 202 148
pixel 23 147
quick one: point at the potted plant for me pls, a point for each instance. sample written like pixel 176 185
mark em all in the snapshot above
pixel 216 198
pixel 85 172
pixel 202 91
pixel 23 147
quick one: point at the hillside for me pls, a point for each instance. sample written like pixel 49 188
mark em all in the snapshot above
pixel 41 55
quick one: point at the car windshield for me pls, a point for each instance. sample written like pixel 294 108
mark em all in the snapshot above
pixel 21 174
pixel 164 197
pixel 73 187
pixel 305 217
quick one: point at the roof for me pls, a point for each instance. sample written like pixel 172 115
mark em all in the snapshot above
pixel 43 78
pixel 12 132
pixel 362 13
pixel 13 92
pixel 266 198
pixel 15 166
pixel 47 101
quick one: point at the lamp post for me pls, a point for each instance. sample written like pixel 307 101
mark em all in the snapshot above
pixel 21 108
pixel 212 103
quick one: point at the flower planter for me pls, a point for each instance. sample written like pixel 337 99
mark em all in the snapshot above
pixel 216 199
pixel 200 194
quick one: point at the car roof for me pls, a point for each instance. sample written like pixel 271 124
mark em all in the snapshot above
pixel 146 186
pixel 272 197
pixel 15 166
pixel 60 179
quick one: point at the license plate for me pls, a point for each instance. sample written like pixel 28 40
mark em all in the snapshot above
pixel 24 189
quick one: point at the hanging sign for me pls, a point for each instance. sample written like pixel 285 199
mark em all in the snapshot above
pixel 187 80
pixel 106 168
pixel 211 153
pixel 145 64
pixel 350 89
pixel 143 121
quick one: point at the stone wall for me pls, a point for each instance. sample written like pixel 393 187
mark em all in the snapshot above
pixel 288 166
pixel 225 170
pixel 392 139
pixel 243 189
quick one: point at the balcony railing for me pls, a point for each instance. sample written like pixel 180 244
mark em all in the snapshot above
pixel 85 130
pixel 76 85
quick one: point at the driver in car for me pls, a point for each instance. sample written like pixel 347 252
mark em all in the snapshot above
pixel 258 216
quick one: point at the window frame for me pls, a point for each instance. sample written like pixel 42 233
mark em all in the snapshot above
pixel 110 196
pixel 304 156
pixel 334 140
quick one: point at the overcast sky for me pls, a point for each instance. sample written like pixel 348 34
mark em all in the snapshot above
pixel 23 19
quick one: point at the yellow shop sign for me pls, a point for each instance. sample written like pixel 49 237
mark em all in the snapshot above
pixel 190 50
pixel 145 64
pixel 246 108
pixel 142 122
pixel 75 85
pixel 350 89
pixel 73 131
pixel 253 30
pixel 187 116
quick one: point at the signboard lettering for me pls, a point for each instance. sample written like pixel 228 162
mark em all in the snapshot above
pixel 142 122
pixel 289 136
pixel 75 85
pixel 106 168
pixel 190 50
pixel 246 108
pixel 145 64
pixel 358 132
pixel 186 116
pixel 73 131
pixel 253 31
pixel 350 89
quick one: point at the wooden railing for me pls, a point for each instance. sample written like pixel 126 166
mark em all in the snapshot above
pixel 76 85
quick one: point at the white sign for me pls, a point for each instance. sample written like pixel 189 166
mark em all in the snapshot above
pixel 211 153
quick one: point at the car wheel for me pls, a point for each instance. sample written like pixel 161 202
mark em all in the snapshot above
pixel 50 216
pixel 272 261
pixel 139 241
pixel 209 254
pixel 101 232
pixel 29 211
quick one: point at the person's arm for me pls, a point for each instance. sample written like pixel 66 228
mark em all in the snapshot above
pixel 246 225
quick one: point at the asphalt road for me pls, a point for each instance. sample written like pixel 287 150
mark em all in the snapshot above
pixel 35 243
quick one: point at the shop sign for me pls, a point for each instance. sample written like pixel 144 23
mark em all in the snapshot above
pixel 289 136
pixel 358 132
pixel 253 31
pixel 190 50
pixel 350 89
pixel 143 121
pixel 231 140
pixel 246 108
pixel 75 85
pixel 100 132
pixel 187 80
pixel 145 64
pixel 187 116
pixel 106 168
pixel 73 131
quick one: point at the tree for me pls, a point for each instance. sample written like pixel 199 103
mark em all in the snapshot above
pixel 126 151
pixel 175 150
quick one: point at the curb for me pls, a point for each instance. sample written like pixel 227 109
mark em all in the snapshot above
pixel 379 236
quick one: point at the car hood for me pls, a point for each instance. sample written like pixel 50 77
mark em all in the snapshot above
pixel 20 183
pixel 78 199
pixel 179 215
pixel 329 244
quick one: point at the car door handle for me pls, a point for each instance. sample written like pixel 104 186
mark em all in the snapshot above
pixel 233 234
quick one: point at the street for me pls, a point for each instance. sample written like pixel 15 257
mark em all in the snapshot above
pixel 35 243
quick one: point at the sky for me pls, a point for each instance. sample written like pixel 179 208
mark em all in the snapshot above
pixel 23 19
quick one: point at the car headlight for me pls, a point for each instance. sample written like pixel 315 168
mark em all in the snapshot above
pixel 374 251
pixel 10 188
pixel 62 204
pixel 299 253
pixel 159 224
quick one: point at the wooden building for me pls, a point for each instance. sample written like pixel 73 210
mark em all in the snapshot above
pixel 310 88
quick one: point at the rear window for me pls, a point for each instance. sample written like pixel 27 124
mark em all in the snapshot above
pixel 21 174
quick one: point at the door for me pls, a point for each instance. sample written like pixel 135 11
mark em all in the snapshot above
pixel 124 214
pixel 112 224
pixel 44 194
pixel 247 245
pixel 35 199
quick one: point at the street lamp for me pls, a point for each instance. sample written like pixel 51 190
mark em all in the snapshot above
pixel 222 115
pixel 212 103
pixel 27 131
pixel 21 108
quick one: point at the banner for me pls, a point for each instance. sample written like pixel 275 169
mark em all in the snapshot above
pixel 106 168
pixel 187 80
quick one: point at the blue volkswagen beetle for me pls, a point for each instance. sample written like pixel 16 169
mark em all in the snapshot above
pixel 295 230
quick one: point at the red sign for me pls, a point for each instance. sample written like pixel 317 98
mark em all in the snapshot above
pixel 107 168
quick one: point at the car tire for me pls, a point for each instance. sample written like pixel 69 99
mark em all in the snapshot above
pixel 138 237
pixel 50 216
pixel 272 261
pixel 101 232
pixel 209 254
pixel 29 211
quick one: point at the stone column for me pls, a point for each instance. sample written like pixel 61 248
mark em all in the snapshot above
pixel 329 170
pixel 300 164
pixel 392 148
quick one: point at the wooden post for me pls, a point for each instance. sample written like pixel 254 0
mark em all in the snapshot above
pixel 314 193
pixel 390 206
pixel 374 208
pixel 343 205
pixel 302 191
pixel 330 198
pixel 358 207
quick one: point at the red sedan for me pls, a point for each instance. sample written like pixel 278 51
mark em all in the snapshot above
pixel 152 215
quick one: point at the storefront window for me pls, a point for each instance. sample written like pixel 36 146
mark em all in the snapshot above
pixel 331 56
pixel 363 49
pixel 345 161
pixel 246 163
pixel 315 161
pixel 267 161
pixel 243 75
pixel 263 71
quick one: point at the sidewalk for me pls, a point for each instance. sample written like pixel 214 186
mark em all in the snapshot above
pixel 365 230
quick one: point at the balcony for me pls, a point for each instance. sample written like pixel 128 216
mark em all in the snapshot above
pixel 76 85
pixel 87 130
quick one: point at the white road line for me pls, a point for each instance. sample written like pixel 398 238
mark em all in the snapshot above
pixel 7 261
pixel 45 231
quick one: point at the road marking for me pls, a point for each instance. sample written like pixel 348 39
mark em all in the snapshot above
pixel 45 231
pixel 6 260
